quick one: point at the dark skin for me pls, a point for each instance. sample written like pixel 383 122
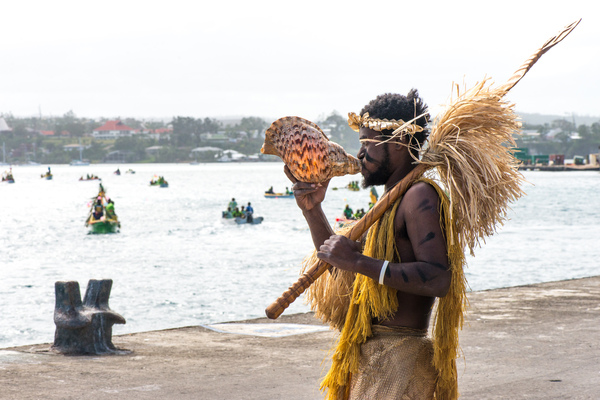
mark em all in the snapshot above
pixel 423 273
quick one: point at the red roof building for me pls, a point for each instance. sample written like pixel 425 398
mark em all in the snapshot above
pixel 113 130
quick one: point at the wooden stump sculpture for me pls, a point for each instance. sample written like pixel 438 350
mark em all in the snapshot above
pixel 84 328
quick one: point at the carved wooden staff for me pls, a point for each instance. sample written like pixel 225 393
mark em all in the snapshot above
pixel 306 279
pixel 467 146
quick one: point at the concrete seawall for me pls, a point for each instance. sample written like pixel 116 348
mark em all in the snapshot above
pixel 530 342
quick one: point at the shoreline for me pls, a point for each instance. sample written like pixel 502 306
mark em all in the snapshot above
pixel 534 341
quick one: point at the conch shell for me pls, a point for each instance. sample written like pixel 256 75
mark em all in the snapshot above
pixel 308 153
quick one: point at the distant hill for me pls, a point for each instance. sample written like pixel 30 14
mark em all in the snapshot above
pixel 541 119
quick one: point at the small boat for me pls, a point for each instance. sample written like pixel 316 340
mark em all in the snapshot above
pixel 106 226
pixel 255 220
pixel 47 175
pixel 102 217
pixel 130 171
pixel 343 221
pixel 279 195
pixel 89 178
pixel 117 172
pixel 160 181
pixel 8 177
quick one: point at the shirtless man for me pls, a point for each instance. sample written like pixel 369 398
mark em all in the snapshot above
pixel 420 272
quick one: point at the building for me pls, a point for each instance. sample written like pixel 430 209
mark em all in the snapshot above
pixel 159 133
pixel 4 126
pixel 113 130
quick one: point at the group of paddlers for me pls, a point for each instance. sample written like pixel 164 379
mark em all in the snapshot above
pixel 158 181
pixel 102 208
pixel 271 191
pixel 233 211
pixel 89 177
pixel 7 176
pixel 349 214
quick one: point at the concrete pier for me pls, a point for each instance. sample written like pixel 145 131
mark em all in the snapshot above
pixel 531 342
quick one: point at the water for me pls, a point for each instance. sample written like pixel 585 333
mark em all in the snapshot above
pixel 177 263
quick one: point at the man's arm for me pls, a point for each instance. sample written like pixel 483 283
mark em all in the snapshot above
pixel 421 243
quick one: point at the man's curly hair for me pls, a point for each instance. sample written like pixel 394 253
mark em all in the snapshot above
pixel 398 106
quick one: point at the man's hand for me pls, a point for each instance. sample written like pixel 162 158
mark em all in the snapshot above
pixel 308 195
pixel 340 252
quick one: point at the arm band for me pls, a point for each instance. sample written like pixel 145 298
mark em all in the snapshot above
pixel 382 273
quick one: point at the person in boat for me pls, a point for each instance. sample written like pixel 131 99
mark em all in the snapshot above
pixel 233 204
pixel 8 176
pixel 242 212
pixel 270 191
pixel 392 278
pixel 287 191
pixel 373 195
pixel 228 213
pixel 249 212
pixel 110 210
pixel 348 212
pixel 98 211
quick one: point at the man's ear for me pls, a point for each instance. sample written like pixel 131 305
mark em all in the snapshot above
pixel 401 143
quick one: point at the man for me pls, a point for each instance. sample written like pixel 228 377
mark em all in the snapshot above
pixel 249 212
pixel 98 211
pixel 348 212
pixel 401 267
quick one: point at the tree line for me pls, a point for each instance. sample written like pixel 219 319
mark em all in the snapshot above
pixel 24 143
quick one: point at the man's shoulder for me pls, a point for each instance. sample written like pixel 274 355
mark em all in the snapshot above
pixel 420 190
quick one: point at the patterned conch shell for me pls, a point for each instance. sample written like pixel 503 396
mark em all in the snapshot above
pixel 308 153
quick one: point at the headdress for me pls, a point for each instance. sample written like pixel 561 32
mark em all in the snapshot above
pixel 397 125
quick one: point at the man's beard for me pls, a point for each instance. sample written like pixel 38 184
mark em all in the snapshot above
pixel 380 176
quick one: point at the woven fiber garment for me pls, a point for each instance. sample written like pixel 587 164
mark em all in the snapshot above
pixel 395 363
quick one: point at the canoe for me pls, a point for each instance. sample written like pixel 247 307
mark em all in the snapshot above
pixel 255 220
pixel 104 226
pixel 279 195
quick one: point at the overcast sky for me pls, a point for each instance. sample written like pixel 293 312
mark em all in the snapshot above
pixel 150 59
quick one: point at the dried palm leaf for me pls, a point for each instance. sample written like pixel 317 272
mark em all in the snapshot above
pixel 470 146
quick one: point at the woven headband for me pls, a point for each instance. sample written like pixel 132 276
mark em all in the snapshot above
pixel 398 126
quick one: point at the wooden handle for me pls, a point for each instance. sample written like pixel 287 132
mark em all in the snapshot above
pixel 316 270
pixel 306 279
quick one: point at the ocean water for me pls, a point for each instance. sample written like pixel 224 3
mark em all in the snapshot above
pixel 176 262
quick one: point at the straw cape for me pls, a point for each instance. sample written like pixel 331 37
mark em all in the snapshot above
pixel 470 148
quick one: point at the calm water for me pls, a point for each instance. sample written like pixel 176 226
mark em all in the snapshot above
pixel 177 263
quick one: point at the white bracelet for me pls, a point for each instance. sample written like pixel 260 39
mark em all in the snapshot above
pixel 382 273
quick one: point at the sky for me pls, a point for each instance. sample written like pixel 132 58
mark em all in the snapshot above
pixel 152 60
